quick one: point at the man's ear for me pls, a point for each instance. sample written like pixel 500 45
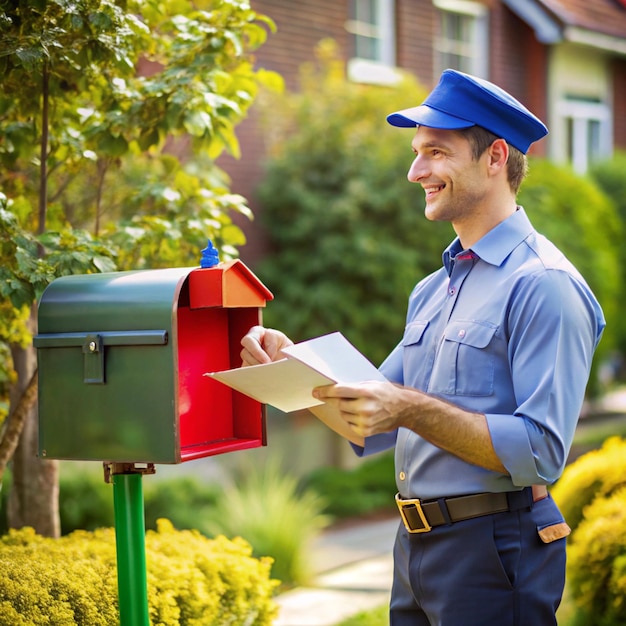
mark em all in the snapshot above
pixel 498 153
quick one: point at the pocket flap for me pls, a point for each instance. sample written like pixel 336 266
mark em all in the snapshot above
pixel 551 533
pixel 413 333
pixel 473 334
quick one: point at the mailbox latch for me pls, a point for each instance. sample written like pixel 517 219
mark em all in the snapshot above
pixel 93 360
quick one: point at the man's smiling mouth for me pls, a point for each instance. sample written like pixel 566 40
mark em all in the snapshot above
pixel 432 190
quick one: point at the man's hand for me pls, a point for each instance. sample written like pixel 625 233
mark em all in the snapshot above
pixel 263 345
pixel 370 408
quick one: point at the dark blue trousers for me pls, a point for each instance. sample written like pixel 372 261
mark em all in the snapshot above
pixel 487 571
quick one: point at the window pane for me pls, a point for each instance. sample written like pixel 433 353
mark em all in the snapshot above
pixel 594 141
pixel 365 11
pixel 456 44
pixel 366 48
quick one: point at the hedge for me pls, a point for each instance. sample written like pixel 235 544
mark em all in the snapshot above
pixel 192 580
pixel 598 473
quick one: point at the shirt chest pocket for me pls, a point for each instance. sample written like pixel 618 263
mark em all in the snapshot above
pixel 464 364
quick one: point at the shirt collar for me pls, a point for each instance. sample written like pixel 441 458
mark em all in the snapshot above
pixel 498 243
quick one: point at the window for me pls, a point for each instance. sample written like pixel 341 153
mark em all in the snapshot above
pixel 372 29
pixel 462 38
pixel 587 130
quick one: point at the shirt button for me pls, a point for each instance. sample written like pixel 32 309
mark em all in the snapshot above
pixel 402 476
pixel 462 333
pixel 452 291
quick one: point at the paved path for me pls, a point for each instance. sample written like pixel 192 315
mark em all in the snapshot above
pixel 353 573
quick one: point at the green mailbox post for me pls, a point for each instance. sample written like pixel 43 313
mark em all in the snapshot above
pixel 121 361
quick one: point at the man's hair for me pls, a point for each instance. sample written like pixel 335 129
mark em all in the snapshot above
pixel 517 164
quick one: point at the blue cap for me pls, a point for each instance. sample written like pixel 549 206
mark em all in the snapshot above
pixel 461 101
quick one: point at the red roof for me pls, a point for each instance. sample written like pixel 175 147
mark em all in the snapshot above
pixel 601 16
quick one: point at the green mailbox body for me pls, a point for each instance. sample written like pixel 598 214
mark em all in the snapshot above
pixel 121 362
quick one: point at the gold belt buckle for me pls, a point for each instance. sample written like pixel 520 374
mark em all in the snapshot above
pixel 404 504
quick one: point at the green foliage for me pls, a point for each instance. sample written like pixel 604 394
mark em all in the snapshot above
pixel 186 502
pixel 267 509
pixel 264 506
pixel 85 500
pixel 597 562
pixel 348 234
pixel 375 617
pixel 609 176
pixel 192 580
pixel 596 474
pixel 592 497
pixel 99 100
pixel 367 488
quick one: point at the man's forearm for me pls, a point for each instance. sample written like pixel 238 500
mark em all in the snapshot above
pixel 462 433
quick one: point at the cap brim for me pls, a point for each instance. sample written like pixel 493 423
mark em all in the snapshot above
pixel 424 115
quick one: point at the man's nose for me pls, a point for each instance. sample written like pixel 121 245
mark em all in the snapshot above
pixel 417 171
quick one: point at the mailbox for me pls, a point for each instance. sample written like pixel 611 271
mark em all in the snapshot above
pixel 121 362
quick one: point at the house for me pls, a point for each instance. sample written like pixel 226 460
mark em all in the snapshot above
pixel 564 59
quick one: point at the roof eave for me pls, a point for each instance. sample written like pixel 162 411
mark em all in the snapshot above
pixel 593 39
pixel 547 29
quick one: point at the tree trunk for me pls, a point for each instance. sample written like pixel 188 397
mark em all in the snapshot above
pixel 34 497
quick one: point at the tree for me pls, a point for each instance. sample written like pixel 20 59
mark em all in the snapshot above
pixel 102 89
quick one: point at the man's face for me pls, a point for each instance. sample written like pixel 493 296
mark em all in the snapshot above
pixel 454 183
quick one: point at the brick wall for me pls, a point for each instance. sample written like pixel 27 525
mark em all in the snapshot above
pixel 518 63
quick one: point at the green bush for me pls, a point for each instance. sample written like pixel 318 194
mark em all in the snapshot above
pixel 192 581
pixel 264 506
pixel 186 502
pixel 85 500
pixel 609 176
pixel 267 508
pixel 596 474
pixel 596 570
pixel 370 487
pixel 347 230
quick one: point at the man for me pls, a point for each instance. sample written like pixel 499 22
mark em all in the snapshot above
pixel 487 383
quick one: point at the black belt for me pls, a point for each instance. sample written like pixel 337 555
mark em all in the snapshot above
pixel 420 517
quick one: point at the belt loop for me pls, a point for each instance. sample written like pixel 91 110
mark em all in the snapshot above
pixel 443 507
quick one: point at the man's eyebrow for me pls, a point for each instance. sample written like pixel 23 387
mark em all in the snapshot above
pixel 430 144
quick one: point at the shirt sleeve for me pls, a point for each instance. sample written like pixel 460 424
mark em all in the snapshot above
pixel 554 326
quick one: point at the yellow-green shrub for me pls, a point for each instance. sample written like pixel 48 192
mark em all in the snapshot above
pixel 192 580
pixel 596 474
pixel 596 567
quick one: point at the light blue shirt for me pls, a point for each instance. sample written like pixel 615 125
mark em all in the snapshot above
pixel 507 329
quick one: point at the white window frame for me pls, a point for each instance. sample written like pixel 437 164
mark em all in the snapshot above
pixel 581 113
pixel 380 70
pixel 476 51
